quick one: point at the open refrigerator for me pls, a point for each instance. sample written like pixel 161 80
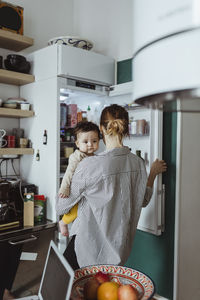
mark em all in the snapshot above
pixel 67 75
pixel 145 136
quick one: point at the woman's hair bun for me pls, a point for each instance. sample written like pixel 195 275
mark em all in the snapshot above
pixel 115 127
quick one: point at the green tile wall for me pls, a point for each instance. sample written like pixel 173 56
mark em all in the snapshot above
pixel 124 71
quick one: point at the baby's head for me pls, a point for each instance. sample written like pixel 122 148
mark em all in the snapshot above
pixel 87 136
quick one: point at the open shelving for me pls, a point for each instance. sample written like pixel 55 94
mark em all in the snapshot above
pixel 15 113
pixel 15 78
pixel 13 41
pixel 16 151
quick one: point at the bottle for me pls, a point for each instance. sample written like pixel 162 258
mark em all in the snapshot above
pixel 45 138
pixel 89 114
pixel 68 136
pixel 138 153
pixel 37 155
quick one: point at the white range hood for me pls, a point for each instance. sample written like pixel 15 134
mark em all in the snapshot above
pixel 166 61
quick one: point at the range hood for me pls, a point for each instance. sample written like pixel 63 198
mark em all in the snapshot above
pixel 166 71
pixel 176 101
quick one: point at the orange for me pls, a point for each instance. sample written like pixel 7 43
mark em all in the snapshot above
pixel 108 291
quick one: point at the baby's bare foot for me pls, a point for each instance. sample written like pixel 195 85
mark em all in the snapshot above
pixel 63 228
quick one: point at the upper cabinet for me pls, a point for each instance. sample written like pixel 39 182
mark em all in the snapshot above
pixel 15 42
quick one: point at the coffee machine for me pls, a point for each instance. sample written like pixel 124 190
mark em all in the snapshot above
pixel 11 202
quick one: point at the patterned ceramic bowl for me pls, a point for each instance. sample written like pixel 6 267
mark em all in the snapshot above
pixel 121 275
pixel 72 41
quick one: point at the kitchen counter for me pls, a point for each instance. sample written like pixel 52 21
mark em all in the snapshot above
pixel 26 230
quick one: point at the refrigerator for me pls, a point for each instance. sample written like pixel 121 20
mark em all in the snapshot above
pixel 67 75
pixel 166 66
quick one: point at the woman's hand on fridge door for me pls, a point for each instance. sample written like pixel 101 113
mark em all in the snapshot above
pixel 157 167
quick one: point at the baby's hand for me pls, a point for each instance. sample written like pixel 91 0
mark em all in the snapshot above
pixel 158 166
pixel 61 195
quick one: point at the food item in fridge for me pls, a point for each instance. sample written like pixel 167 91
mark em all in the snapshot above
pixel 63 115
pixel 141 124
pixel 72 115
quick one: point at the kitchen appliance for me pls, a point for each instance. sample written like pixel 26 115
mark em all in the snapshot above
pixel 11 202
pixel 11 205
pixel 166 75
pixel 168 45
pixel 11 17
pixel 84 78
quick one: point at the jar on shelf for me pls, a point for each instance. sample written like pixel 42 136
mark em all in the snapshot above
pixel 141 124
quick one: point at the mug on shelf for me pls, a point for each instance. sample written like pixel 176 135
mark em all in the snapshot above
pixel 2 133
pixel 3 143
pixel 23 142
pixel 10 141
pixel 25 106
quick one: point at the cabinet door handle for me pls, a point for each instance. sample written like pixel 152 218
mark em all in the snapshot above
pixel 17 242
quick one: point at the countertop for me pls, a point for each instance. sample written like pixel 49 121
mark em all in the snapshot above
pixel 24 231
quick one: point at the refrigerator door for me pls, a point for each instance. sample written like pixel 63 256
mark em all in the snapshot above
pixel 155 19
pixel 150 144
pixel 167 73
pixel 151 218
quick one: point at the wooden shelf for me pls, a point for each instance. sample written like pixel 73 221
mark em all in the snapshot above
pixel 13 41
pixel 16 151
pixel 15 113
pixel 15 78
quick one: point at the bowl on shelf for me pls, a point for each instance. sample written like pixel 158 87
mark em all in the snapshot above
pixel 119 274
pixel 10 105
pixel 17 63
pixel 72 41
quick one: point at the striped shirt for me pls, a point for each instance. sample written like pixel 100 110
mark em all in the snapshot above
pixel 111 191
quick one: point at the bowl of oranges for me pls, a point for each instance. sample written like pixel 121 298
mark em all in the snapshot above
pixel 111 282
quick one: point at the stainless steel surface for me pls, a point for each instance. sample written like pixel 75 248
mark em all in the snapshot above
pixel 172 101
pixel 26 240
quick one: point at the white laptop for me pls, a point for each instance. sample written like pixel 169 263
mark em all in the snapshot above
pixel 57 277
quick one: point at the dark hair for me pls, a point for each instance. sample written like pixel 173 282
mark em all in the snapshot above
pixel 85 126
pixel 114 119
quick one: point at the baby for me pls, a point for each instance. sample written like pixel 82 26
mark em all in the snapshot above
pixel 87 136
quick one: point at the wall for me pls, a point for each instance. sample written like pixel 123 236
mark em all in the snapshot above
pixel 46 19
pixel 107 23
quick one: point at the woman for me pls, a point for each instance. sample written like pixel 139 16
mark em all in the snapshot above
pixel 111 188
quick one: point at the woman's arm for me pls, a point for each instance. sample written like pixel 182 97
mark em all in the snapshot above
pixel 158 166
